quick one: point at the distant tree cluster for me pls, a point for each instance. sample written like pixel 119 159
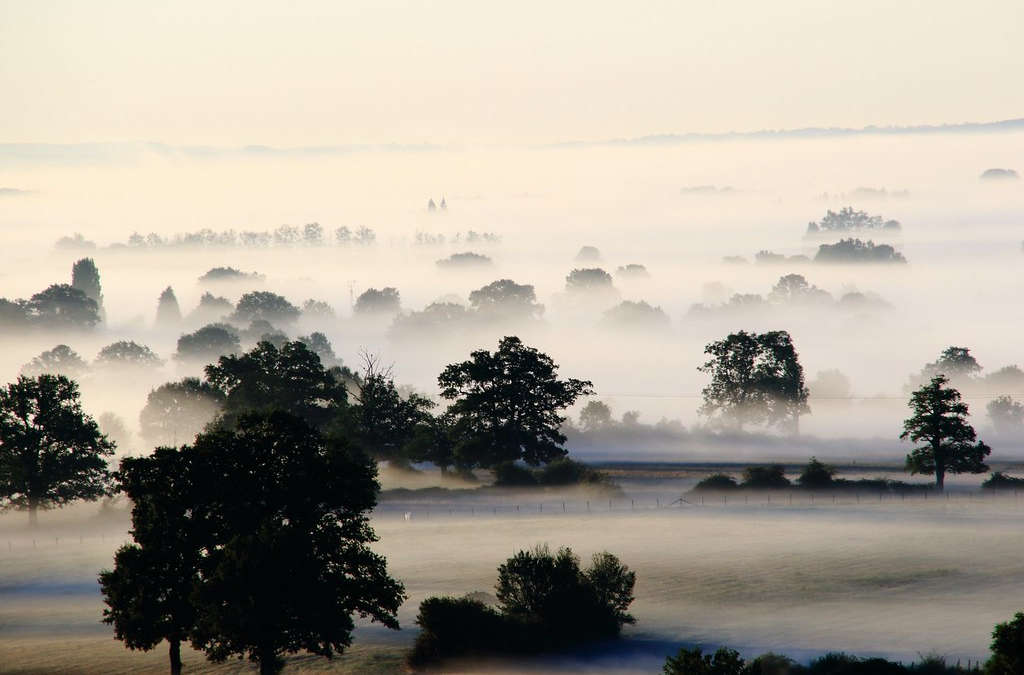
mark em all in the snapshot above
pixel 424 238
pixel 725 661
pixel 791 290
pixel 309 235
pixel 849 220
pixel 546 602
pixel 218 274
pixel 74 307
pixel 465 260
pixel 857 251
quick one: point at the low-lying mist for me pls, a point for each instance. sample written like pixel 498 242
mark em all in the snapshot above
pixel 677 209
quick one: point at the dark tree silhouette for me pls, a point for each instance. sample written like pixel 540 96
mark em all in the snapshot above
pixel 950 443
pixel 63 307
pixel 505 297
pixel 168 312
pixel 857 251
pixel 848 220
pixel 149 593
pixel 51 452
pixel 267 306
pixel 319 344
pixel 816 475
pixel 506 405
pixel 380 422
pixel 292 562
pixel 755 379
pixel 589 280
pixel 723 661
pixel 208 344
pixel 769 477
pixel 794 289
pixel 1007 647
pixel 290 379
pixel 177 411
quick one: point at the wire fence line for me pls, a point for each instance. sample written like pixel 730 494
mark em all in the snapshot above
pixel 418 511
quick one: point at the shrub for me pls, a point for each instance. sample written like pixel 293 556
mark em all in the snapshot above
pixel 715 482
pixel 1000 481
pixel 695 662
pixel 1007 647
pixel 816 475
pixel 768 477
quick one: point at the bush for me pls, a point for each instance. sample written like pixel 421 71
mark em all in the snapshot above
pixel 510 474
pixel 817 475
pixel 716 482
pixel 1007 647
pixel 1000 481
pixel 459 627
pixel 768 477
pixel 695 662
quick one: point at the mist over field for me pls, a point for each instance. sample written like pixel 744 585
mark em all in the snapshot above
pixel 676 207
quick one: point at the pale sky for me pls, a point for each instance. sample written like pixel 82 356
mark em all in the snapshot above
pixel 319 72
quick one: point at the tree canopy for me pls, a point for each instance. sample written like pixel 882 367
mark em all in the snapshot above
pixel 506 405
pixel 950 444
pixel 505 297
pixel 51 452
pixel 755 379
pixel 176 412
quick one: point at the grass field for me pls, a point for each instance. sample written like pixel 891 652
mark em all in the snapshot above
pixel 892 577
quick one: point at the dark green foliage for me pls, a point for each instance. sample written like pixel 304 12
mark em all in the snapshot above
pixel 506 405
pixel 1007 648
pixel 816 475
pixel 506 298
pixel 857 251
pixel 61 360
pixel 459 627
pixel 175 412
pixel 149 593
pixel 63 307
pixel 771 477
pixel 290 379
pixel 546 603
pixel 1000 481
pixel 384 301
pixel 381 422
pixel 51 452
pixel 292 562
pixel 432 442
pixel 716 483
pixel 510 474
pixel 561 472
pixel 695 662
pixel 127 354
pixel 207 344
pixel 755 379
pixel 266 306
pixel 949 443
pixel 319 344
pixel 770 663
pixel 251 542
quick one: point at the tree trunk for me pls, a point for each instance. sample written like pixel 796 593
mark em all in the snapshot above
pixel 940 478
pixel 33 512
pixel 270 662
pixel 175 655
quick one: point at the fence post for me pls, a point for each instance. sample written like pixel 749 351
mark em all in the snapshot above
pixel 563 507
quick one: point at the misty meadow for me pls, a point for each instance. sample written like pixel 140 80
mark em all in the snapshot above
pixel 392 338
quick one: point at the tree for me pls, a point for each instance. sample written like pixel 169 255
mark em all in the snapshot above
pixel 847 219
pixel 384 301
pixel 1007 647
pixel 63 307
pixel 86 278
pixel 168 313
pixel 381 422
pixel 816 475
pixel 505 297
pixel 695 662
pixel 176 412
pixel 149 593
pixel 771 477
pixel 211 308
pixel 506 405
pixel 950 444
pixel 267 306
pixel 589 280
pixel 755 379
pixel 595 416
pixel 857 251
pixel 266 378
pixel 638 316
pixel 51 452
pixel 1006 414
pixel 290 561
pixel 128 354
pixel 794 289
pixel 61 360
pixel 319 344
pixel 207 344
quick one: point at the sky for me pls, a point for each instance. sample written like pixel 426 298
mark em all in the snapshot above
pixel 464 72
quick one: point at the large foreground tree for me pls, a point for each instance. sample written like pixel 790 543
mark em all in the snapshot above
pixel 506 405
pixel 51 452
pixel 949 442
pixel 266 522
pixel 755 379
